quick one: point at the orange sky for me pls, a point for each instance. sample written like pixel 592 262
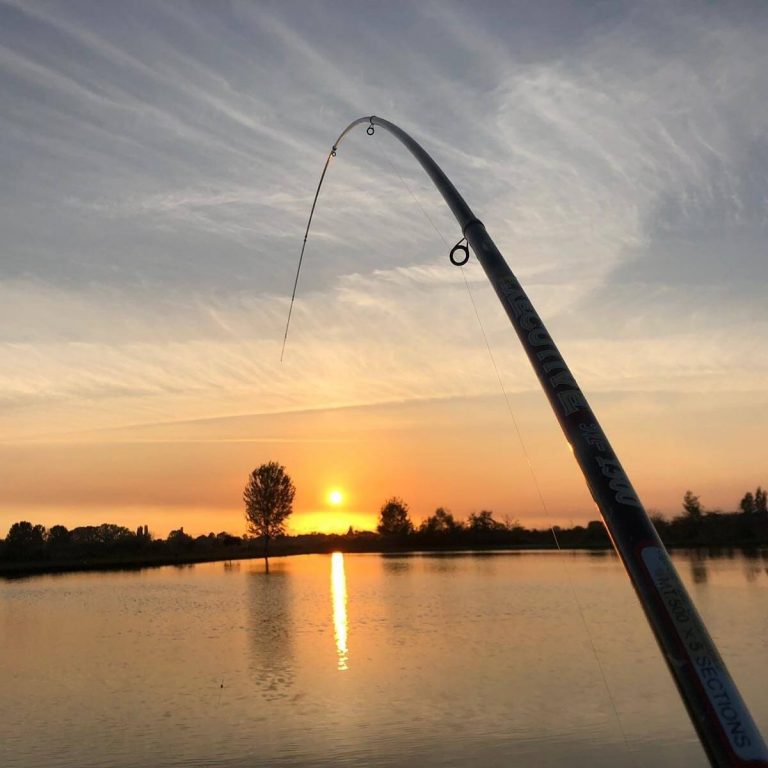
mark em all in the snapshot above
pixel 459 453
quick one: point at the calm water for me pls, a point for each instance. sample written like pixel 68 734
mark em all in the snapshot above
pixel 454 660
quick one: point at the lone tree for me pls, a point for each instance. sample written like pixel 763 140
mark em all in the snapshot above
pixel 268 498
pixel 393 519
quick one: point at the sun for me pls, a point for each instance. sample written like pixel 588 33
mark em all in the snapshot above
pixel 335 497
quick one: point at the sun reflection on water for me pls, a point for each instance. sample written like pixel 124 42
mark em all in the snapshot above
pixel 339 600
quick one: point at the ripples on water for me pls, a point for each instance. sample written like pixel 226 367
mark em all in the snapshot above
pixel 441 660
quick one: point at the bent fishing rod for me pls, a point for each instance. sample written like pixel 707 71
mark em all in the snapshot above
pixel 721 718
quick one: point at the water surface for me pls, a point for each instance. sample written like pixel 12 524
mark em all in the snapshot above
pixel 444 660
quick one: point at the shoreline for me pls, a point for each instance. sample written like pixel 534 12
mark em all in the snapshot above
pixel 10 571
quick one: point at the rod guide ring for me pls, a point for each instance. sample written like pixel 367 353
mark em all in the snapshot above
pixel 462 246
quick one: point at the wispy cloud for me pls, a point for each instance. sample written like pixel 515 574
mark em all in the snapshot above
pixel 159 163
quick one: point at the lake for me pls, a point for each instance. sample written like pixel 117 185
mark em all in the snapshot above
pixel 468 659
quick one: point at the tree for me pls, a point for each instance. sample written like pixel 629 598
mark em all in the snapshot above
pixel 57 541
pixel 441 523
pixel 25 541
pixel 747 504
pixel 692 505
pixel 58 535
pixel 393 518
pixel 483 522
pixel 178 539
pixel 761 501
pixel 268 498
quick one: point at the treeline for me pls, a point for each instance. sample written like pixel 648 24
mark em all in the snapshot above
pixel 694 527
pixel 479 530
pixel 34 547
pixel 105 543
pixel 698 527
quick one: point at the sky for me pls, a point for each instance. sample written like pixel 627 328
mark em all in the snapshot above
pixel 157 166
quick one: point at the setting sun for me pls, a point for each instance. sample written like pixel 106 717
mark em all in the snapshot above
pixel 335 497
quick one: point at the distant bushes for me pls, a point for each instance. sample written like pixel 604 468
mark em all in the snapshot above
pixel 697 527
pixel 480 531
pixel 26 542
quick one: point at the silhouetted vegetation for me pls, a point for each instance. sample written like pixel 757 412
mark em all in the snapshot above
pixel 697 527
pixel 268 498
pixel 30 548
pixel 394 522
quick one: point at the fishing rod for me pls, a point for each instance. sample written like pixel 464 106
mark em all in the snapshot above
pixel 721 718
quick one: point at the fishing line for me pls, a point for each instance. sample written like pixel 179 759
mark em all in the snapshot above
pixel 410 191
pixel 529 462
pixel 622 512
pixel 547 512
pixel 331 154
pixel 488 348
pixel 523 447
